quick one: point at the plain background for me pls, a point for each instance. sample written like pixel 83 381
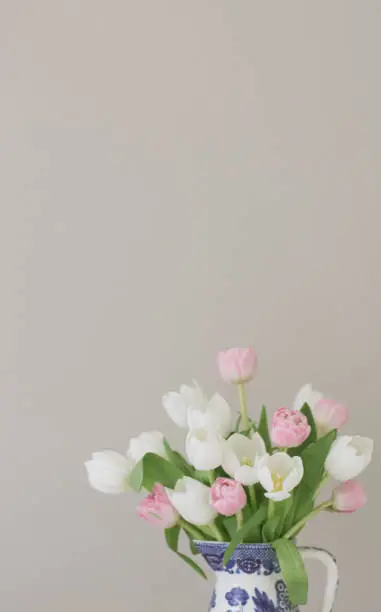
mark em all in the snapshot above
pixel 177 177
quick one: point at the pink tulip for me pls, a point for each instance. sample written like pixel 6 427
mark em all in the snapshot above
pixel 329 415
pixel 237 365
pixel 227 496
pixel 157 509
pixel 290 428
pixel 349 496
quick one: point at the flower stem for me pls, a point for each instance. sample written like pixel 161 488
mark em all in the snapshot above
pixel 194 531
pixel 294 530
pixel 242 399
pixel 217 533
pixel 252 496
pixel 271 509
pixel 239 517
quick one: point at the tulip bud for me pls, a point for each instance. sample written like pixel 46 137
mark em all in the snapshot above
pixel 157 509
pixel 290 428
pixel 227 496
pixel 237 365
pixel 108 471
pixel 348 457
pixel 349 497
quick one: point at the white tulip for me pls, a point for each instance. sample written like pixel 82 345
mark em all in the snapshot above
pixel 191 408
pixel 146 442
pixel 279 474
pixel 191 499
pixel 348 457
pixel 204 449
pixel 241 457
pixel 214 415
pixel 177 404
pixel 307 395
pixel 107 471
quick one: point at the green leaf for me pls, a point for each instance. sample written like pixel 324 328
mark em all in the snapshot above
pixel 269 529
pixel 282 510
pixel 293 571
pixel 172 539
pixel 230 524
pixel 263 429
pixel 313 458
pixel 192 546
pixel 306 410
pixel 158 469
pixel 273 527
pixel 256 520
pixel 202 476
pixel 178 460
pixel 135 479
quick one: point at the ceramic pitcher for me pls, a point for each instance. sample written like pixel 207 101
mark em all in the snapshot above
pixel 252 580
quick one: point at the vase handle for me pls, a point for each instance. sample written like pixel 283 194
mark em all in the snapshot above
pixel 332 573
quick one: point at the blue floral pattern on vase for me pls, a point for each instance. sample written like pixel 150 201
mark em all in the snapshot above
pixel 213 600
pixel 259 559
pixel 237 597
pixel 263 603
pixel 250 566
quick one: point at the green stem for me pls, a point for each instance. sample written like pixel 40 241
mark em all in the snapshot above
pixel 294 530
pixel 195 532
pixel 252 496
pixel 271 510
pixel 217 533
pixel 239 517
pixel 242 400
pixel 211 477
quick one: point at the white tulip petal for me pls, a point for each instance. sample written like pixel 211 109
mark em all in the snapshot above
pixel 204 449
pixel 259 445
pixel 107 472
pixel 246 475
pixel 280 463
pixel 191 500
pixel 265 477
pixel 176 408
pixel 230 462
pixel 193 396
pixel 294 477
pixel 196 418
pixel 220 409
pixel 278 495
pixel 146 442
pixel 348 457
pixel 307 395
pixel 242 446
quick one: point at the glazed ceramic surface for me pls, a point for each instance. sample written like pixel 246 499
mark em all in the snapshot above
pixel 252 579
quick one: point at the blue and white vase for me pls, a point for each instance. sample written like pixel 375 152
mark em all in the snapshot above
pixel 252 580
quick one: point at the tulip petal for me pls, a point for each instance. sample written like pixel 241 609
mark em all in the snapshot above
pixel 219 408
pixel 295 476
pixel 278 495
pixel 230 462
pixel 176 408
pixel 306 395
pixel 265 477
pixel 246 475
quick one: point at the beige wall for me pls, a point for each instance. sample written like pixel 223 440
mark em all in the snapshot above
pixel 176 177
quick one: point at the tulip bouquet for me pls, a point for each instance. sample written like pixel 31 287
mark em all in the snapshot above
pixel 241 480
